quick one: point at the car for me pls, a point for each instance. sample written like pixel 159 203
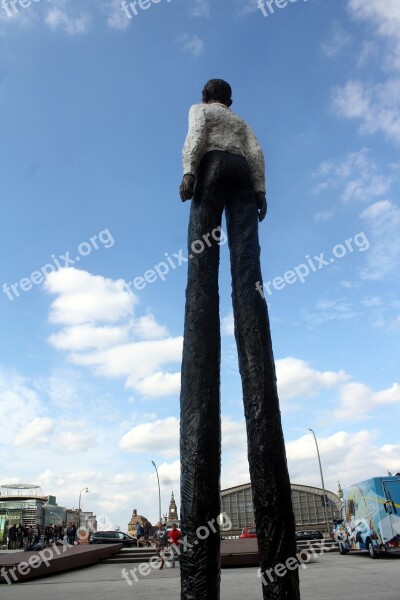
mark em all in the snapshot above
pixel 308 534
pixel 113 537
pixel 248 532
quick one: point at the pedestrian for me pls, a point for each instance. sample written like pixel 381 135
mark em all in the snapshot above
pixel 20 532
pixel 36 535
pixel 146 533
pixel 48 535
pixel 30 535
pixel 25 538
pixel 12 537
pixel 139 533
pixel 161 540
pixel 70 537
pixel 174 536
pixel 61 532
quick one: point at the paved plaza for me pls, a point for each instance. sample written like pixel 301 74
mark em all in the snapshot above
pixel 330 577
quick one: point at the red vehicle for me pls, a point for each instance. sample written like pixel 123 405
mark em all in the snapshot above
pixel 248 532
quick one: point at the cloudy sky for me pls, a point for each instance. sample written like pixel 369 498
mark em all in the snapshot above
pixel 94 104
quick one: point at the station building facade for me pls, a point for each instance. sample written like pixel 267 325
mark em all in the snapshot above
pixel 308 506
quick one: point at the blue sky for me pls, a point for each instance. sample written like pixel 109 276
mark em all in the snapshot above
pixel 94 114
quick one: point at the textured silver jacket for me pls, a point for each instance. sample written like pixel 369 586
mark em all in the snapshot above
pixel 215 127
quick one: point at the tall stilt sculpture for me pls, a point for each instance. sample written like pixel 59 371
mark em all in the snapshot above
pixel 224 170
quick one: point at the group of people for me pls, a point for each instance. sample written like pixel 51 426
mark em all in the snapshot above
pixel 167 540
pixel 164 540
pixel 23 537
pixel 143 534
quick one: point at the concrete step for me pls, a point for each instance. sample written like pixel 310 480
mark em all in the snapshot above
pixel 132 555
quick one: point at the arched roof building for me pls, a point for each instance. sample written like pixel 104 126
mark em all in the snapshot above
pixel 308 507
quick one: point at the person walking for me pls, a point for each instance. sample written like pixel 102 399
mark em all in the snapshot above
pixel 146 533
pixel 12 537
pixel 25 538
pixel 70 534
pixel 36 535
pixel 139 534
pixel 161 539
pixel 20 533
pixel 174 536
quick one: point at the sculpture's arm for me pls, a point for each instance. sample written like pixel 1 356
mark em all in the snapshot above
pixel 255 158
pixel 193 150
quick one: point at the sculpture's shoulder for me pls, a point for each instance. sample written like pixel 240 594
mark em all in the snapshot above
pixel 197 110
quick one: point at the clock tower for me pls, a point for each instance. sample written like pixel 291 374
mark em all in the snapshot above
pixel 173 512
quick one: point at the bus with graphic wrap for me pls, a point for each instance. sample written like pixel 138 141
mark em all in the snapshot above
pixel 370 517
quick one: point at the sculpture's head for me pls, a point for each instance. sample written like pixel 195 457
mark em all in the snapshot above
pixel 217 90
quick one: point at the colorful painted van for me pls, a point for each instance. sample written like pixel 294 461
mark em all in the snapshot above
pixel 371 517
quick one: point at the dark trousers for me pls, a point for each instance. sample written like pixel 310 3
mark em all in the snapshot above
pixel 224 182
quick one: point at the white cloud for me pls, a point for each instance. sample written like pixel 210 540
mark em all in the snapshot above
pixel 377 106
pixel 357 178
pixel 346 457
pixel 201 9
pixel 147 328
pixel 338 40
pixel 385 17
pixel 20 406
pixel 34 433
pixel 86 298
pixel 136 361
pixel 58 18
pixel 324 215
pixel 357 401
pixel 159 437
pixel 82 337
pixel 296 379
pixel 383 221
pixel 75 441
pixel 192 43
pixel 327 309
pixel 134 348
pixel 228 324
pixel 159 384
pixel 116 17
pixel 248 6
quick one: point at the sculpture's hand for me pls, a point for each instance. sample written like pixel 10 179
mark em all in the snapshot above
pixel 187 187
pixel 261 205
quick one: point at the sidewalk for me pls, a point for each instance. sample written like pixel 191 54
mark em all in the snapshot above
pixel 332 576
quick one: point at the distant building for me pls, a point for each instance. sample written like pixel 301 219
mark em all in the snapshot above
pixel 172 512
pixel 308 506
pixel 26 504
pixel 136 520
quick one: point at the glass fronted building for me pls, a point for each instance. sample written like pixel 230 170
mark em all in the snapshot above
pixel 26 504
pixel 308 506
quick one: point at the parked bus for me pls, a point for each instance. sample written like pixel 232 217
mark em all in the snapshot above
pixel 371 517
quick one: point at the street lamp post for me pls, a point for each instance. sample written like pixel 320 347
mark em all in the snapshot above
pixel 79 508
pixel 159 492
pixel 322 481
